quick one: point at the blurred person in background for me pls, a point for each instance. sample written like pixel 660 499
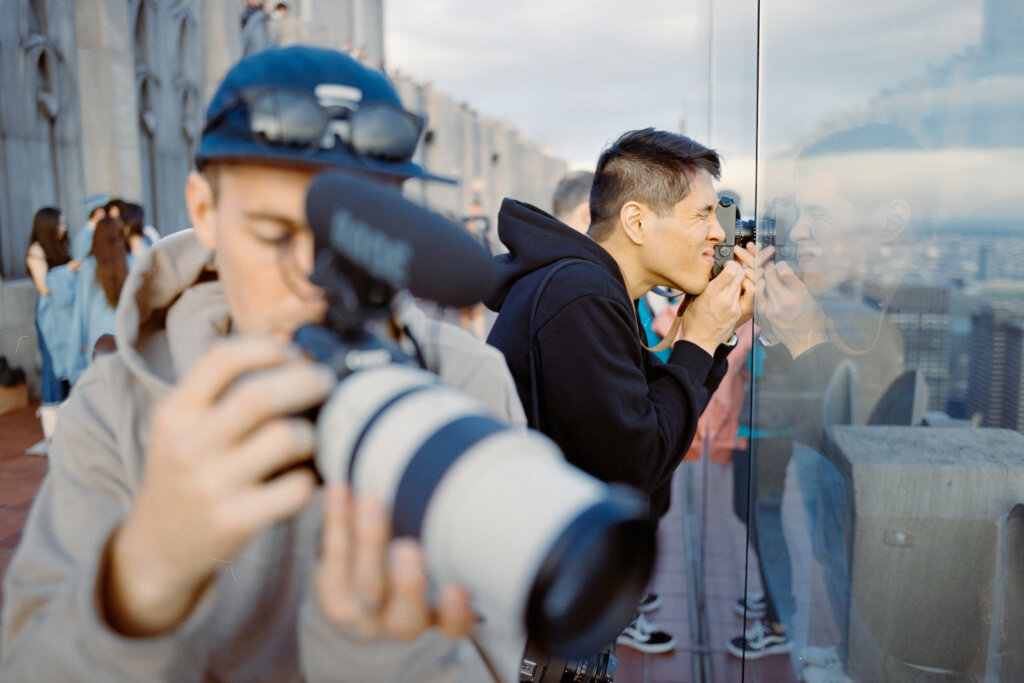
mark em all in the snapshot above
pixel 96 209
pixel 47 259
pixel 134 219
pixel 472 318
pixel 114 207
pixel 101 275
pixel 571 202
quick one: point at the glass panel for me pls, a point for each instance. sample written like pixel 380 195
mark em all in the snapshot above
pixel 890 163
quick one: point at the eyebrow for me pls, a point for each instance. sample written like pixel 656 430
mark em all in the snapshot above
pixel 273 218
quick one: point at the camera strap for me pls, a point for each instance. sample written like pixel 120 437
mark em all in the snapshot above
pixel 672 333
pixel 531 335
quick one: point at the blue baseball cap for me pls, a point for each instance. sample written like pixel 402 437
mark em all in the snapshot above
pixel 314 75
pixel 95 201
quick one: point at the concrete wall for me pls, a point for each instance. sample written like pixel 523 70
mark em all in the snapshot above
pixel 99 96
pixel 489 158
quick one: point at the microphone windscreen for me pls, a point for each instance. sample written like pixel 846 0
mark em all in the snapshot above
pixel 394 240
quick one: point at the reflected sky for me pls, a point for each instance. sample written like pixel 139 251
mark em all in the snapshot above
pixel 574 74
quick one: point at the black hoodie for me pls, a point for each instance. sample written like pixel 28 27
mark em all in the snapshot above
pixel 613 409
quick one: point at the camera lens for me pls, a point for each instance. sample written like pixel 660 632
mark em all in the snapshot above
pixel 591 578
pixel 539 544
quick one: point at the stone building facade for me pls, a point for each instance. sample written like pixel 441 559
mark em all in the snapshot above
pixel 109 96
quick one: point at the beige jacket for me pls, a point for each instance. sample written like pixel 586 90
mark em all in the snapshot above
pixel 259 623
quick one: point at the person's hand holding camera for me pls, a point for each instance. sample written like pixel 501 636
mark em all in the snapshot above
pixel 714 314
pixel 375 585
pixel 787 310
pixel 748 258
pixel 217 473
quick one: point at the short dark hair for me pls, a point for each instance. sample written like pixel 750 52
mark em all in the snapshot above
pixel 650 166
pixel 572 190
pixel 134 218
pixel 885 143
pixel 114 203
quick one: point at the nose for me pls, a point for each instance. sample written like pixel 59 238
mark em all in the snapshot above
pixel 801 230
pixel 303 250
pixel 716 233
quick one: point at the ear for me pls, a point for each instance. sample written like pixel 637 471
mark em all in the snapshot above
pixel 201 208
pixel 897 218
pixel 631 217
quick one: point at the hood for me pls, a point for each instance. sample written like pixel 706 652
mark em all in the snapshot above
pixel 536 239
pixel 171 308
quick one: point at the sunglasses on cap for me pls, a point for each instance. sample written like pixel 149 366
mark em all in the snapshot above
pixel 295 119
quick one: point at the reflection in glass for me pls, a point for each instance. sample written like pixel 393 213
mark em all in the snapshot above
pixel 898 301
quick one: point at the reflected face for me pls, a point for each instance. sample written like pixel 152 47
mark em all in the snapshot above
pixel 832 241
pixel 679 250
pixel 264 248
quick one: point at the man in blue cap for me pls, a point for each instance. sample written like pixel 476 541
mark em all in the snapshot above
pixel 173 538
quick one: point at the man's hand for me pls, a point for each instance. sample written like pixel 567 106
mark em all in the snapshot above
pixel 713 314
pixel 748 258
pixel 376 587
pixel 216 442
pixel 788 310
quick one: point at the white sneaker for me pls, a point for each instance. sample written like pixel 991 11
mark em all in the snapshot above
pixel 644 636
pixel 752 605
pixel 823 657
pixel 758 641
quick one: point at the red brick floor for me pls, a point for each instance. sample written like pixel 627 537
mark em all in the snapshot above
pixel 724 548
pixel 20 476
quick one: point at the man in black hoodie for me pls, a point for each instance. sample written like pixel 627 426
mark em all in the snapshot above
pixel 568 323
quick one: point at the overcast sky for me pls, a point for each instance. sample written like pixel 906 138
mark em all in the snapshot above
pixel 574 74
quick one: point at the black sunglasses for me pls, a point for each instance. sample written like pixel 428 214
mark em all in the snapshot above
pixel 290 118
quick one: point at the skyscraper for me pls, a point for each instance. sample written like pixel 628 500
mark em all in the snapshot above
pixel 988 378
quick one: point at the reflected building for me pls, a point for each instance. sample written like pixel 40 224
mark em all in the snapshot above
pixel 994 334
pixel 921 314
pixel 1013 390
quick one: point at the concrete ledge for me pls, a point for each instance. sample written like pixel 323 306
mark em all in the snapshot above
pixel 18 329
pixel 930 546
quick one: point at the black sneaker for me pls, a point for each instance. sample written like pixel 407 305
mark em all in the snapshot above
pixel 649 602
pixel 644 636
pixel 758 641
pixel 751 606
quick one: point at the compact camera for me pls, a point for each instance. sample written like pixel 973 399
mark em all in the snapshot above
pixel 779 217
pixel 541 546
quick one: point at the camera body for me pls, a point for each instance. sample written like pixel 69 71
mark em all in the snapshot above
pixel 778 219
pixel 537 667
pixel 541 546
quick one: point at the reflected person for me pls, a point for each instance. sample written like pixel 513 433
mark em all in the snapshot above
pixel 831 350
